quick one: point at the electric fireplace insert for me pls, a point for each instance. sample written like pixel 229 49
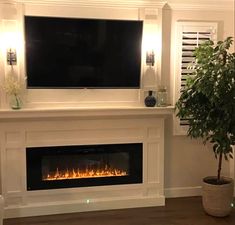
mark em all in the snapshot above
pixel 83 166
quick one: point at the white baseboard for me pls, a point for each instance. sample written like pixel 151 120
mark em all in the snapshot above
pixel 182 192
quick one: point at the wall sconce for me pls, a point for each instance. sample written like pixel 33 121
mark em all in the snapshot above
pixel 150 58
pixel 11 56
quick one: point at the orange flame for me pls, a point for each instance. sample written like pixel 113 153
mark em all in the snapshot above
pixel 87 173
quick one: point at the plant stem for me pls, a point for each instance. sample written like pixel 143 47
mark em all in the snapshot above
pixel 219 167
pixel 17 101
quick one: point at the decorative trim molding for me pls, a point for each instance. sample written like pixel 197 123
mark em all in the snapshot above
pixel 202 7
pixel 95 3
pixel 205 5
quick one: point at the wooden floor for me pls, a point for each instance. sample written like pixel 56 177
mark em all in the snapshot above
pixel 178 211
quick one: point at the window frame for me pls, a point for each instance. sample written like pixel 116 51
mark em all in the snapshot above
pixel 181 27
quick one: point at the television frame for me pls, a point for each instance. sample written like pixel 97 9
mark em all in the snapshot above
pixel 91 87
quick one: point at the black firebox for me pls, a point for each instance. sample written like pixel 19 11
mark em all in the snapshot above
pixel 83 165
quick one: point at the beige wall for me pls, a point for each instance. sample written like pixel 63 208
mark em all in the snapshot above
pixel 188 161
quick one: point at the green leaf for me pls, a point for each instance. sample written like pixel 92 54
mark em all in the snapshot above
pixel 208 99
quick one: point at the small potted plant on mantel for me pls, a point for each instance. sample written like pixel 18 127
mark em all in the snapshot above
pixel 13 87
pixel 208 102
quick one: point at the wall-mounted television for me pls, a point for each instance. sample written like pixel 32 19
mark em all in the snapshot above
pixel 82 53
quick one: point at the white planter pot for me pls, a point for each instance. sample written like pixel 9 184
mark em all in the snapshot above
pixel 217 199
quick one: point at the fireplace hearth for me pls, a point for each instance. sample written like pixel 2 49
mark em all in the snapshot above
pixel 83 165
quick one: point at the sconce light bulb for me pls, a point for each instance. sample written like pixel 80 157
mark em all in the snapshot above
pixel 150 57
pixel 11 56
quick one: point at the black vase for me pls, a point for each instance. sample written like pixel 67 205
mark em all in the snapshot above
pixel 150 100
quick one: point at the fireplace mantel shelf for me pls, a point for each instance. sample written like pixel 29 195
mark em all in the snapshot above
pixel 84 112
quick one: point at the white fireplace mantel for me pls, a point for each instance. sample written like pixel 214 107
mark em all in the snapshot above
pixel 84 112
pixel 40 127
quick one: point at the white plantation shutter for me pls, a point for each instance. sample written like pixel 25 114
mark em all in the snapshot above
pixel 189 36
pixel 190 40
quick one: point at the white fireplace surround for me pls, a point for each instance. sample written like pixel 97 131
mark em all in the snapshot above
pixel 81 117
pixel 81 126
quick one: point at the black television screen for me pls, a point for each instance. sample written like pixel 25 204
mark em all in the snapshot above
pixel 82 53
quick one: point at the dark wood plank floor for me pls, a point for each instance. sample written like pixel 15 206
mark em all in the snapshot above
pixel 178 211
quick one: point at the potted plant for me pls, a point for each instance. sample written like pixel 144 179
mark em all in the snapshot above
pixel 208 102
pixel 14 88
